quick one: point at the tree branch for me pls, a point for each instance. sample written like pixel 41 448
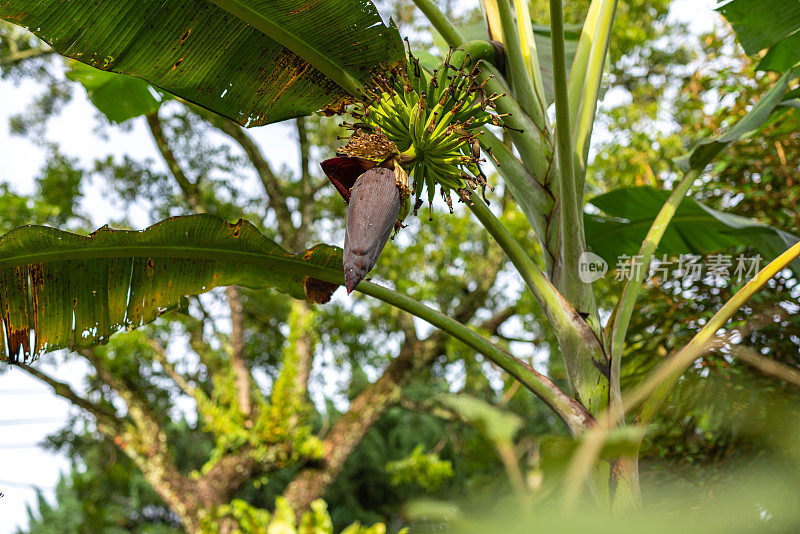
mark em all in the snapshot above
pixel 138 408
pixel 225 478
pixel 160 355
pixel 301 345
pixel 189 189
pixel 104 416
pixel 23 55
pixel 145 442
pixel 275 197
pixel 365 410
pixel 240 369
pixel 493 324
pixel 307 189
pixel 767 366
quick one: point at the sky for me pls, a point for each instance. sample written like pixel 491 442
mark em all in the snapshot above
pixel 29 411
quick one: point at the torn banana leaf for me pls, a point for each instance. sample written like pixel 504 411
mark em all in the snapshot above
pixel 62 290
pixel 252 61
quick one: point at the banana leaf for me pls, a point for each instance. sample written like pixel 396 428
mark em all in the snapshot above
pixel 62 290
pixel 760 24
pixel 628 213
pixel 768 108
pixel 252 61
pixel 117 96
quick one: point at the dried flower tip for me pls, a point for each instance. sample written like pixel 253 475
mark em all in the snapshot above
pixel 370 145
pixel 489 151
pixel 475 147
pixel 447 199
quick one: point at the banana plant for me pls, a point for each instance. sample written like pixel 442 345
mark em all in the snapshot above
pixel 414 131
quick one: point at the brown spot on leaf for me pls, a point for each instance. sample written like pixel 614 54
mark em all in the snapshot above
pixel 317 290
pixel 17 337
pixel 236 227
pixel 305 7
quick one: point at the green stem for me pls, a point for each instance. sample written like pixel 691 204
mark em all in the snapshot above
pixel 582 349
pixel 571 412
pixel 534 278
pixel 580 345
pixel 530 53
pixel 291 41
pixel 624 309
pixel 520 78
pixel 577 74
pixel 536 153
pixel 563 138
pixel 439 21
pixel 571 235
pixel 534 147
pixel 534 200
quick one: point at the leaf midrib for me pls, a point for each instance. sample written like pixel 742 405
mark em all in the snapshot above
pixel 176 252
pixel 292 42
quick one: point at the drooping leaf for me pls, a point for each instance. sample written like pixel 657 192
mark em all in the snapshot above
pixel 707 149
pixel 761 23
pixel 622 441
pixel 117 96
pixel 497 425
pixel 629 212
pixel 544 48
pixel 783 56
pixel 253 61
pixel 59 289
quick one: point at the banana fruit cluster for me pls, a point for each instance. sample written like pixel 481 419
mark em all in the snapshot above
pixel 409 123
pixel 434 121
